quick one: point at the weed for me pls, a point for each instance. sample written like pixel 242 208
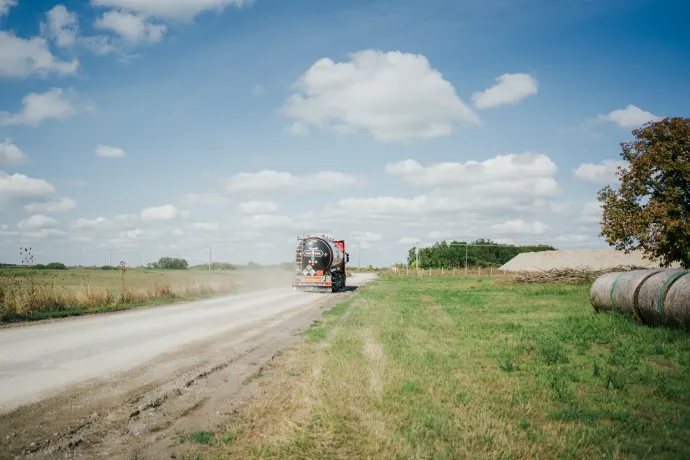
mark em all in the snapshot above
pixel 552 352
pixel 31 293
pixel 473 370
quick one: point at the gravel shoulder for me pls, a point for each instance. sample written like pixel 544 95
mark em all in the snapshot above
pixel 127 385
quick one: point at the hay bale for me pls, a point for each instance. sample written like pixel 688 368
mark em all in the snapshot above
pixel 600 292
pixel 625 292
pixel 676 305
pixel 652 293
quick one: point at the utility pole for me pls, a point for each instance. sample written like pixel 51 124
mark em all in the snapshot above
pixel 417 254
pixel 110 257
pixel 209 259
pixel 466 259
pixel 359 256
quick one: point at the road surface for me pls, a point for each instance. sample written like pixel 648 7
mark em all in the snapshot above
pixel 121 384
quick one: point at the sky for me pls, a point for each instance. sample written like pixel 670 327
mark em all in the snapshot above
pixel 136 129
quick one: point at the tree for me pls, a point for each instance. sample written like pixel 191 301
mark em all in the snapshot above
pixel 170 263
pixel 448 255
pixel 56 266
pixel 651 209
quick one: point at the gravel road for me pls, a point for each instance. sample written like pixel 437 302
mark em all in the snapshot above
pixel 120 384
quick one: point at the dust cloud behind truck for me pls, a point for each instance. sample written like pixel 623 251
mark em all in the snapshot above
pixel 320 264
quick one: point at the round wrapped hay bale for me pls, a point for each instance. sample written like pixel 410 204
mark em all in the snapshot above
pixel 676 304
pixel 625 292
pixel 650 301
pixel 600 292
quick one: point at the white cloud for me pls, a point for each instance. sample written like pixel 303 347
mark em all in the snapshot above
pixel 84 223
pixel 297 129
pixel 522 174
pixel 268 222
pixel 138 234
pixel 20 58
pixel 382 206
pixel 125 218
pixel 630 117
pixel 271 181
pixel 165 212
pixel 503 196
pixel 37 222
pixel 362 236
pixel 259 90
pixel 207 198
pixel 5 6
pixel 394 96
pixel 408 240
pixel 100 45
pixel 177 232
pixel 365 238
pixel 258 207
pixel 5 231
pixel 133 28
pixel 20 186
pixel 56 205
pixel 106 151
pixel 43 233
pixel 10 153
pixel 574 238
pixel 262 181
pixel 62 26
pixel 172 9
pixel 591 213
pixel 39 107
pixel 205 226
pixel 602 173
pixel 519 226
pixel 509 89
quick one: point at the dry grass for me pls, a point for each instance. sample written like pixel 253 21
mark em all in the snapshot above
pixel 468 368
pixel 36 294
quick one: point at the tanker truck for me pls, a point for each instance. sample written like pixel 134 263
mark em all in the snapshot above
pixel 319 264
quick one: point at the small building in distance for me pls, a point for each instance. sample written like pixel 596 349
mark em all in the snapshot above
pixel 579 259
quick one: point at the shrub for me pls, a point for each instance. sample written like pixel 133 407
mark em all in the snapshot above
pixel 56 266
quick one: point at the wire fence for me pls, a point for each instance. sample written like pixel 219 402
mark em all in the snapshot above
pixel 455 271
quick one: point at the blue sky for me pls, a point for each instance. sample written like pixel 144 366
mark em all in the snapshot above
pixel 236 124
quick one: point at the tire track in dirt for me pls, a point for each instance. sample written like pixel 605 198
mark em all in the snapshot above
pixel 143 412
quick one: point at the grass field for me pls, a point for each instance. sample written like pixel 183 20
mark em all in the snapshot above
pixel 467 367
pixel 37 294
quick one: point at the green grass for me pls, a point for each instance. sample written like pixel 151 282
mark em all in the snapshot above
pixel 455 368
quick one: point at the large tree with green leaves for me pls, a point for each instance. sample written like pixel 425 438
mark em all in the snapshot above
pixel 650 210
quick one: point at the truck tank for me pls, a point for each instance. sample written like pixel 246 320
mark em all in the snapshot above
pixel 320 264
pixel 320 256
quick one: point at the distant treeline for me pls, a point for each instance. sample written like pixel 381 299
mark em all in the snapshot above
pixel 50 266
pixel 452 254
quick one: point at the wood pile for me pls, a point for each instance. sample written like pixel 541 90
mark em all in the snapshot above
pixel 568 275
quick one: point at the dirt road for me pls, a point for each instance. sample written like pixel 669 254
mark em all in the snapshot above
pixel 127 384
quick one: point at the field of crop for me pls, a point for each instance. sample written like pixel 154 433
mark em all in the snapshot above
pixel 36 294
pixel 434 367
